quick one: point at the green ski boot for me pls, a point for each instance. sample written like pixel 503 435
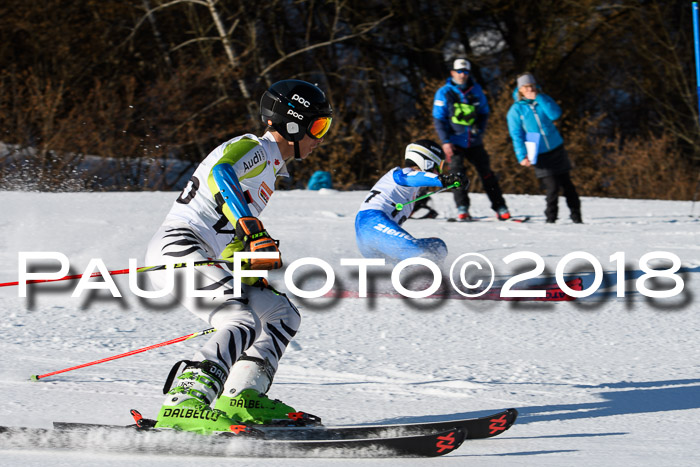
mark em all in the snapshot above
pixel 186 405
pixel 249 406
pixel 244 397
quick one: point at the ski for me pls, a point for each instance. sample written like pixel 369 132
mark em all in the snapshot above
pixel 553 293
pixel 516 219
pixel 474 428
pixel 424 445
pixel 166 441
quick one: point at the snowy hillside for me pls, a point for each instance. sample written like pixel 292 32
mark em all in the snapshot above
pixel 603 380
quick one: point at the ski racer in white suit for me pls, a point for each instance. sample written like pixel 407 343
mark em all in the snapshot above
pixel 378 223
pixel 215 216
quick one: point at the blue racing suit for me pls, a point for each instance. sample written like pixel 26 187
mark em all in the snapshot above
pixel 377 224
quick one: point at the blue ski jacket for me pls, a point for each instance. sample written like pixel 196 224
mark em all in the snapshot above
pixel 534 116
pixel 460 115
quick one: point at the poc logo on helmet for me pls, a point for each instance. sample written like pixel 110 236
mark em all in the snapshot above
pixel 295 114
pixel 301 100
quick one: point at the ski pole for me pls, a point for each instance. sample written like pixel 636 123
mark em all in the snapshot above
pixel 212 262
pixel 399 206
pixel 126 354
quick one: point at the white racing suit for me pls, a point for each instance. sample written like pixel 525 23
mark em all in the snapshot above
pixel 198 227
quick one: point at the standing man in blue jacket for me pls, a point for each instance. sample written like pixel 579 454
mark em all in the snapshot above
pixel 460 114
pixel 535 112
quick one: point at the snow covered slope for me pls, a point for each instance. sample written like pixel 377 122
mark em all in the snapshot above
pixel 600 381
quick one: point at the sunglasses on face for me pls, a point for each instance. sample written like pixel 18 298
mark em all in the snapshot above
pixel 462 72
pixel 319 127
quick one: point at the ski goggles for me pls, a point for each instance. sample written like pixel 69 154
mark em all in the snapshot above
pixel 319 127
pixel 430 165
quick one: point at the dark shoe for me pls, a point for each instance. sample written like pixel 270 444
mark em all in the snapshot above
pixel 551 221
pixel 576 219
pixel 431 214
pixel 463 214
pixel 503 213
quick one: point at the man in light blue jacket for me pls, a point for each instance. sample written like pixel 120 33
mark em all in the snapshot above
pixel 535 112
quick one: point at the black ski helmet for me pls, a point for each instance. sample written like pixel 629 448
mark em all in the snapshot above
pixel 425 154
pixel 294 108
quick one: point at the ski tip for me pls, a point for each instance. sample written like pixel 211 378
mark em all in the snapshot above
pixel 34 377
pixel 494 425
pixel 514 416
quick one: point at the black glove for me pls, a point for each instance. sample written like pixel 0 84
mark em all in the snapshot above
pixel 254 237
pixel 449 178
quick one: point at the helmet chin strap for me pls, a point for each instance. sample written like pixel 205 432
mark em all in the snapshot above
pixel 297 155
pixel 292 131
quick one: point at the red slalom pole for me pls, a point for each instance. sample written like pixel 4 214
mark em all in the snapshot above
pixel 213 262
pixel 66 278
pixel 132 352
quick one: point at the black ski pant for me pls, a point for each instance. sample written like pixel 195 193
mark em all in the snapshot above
pixel 551 185
pixel 481 161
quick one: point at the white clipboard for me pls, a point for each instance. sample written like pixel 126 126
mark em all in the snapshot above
pixel 532 144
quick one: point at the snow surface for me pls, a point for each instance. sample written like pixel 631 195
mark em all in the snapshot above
pixel 599 381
